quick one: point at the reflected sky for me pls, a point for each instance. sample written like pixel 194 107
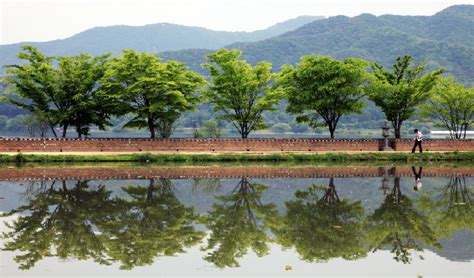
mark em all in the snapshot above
pixel 326 226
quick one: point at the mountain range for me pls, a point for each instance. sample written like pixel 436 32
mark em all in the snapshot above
pixel 151 38
pixel 445 40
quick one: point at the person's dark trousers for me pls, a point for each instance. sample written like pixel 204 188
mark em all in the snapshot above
pixel 417 143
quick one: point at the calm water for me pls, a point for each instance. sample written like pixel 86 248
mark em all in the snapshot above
pixel 337 224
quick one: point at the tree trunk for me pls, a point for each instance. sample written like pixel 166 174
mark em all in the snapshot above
pixel 397 193
pixel 332 124
pixel 78 129
pixel 150 191
pixel 151 127
pixel 397 127
pixel 53 131
pixel 65 126
pixel 331 132
pixel 244 131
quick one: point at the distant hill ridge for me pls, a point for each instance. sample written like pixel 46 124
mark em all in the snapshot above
pixel 445 39
pixel 152 38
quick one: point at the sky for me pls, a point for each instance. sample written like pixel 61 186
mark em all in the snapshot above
pixel 44 20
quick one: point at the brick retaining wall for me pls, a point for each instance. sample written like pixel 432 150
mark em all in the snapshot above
pixel 221 145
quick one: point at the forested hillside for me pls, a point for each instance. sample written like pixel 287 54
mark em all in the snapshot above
pixel 445 39
pixel 151 38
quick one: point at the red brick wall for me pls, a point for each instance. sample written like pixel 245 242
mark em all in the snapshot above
pixel 436 145
pixel 226 145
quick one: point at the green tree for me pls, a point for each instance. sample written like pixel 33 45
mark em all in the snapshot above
pixel 240 91
pixel 400 91
pixel 324 88
pixel 398 224
pixel 240 223
pixel 35 82
pixel 155 92
pixel 78 87
pixel 65 94
pixel 452 106
pixel 151 222
pixel 322 228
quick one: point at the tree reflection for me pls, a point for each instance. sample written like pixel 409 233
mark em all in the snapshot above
pixel 450 209
pixel 85 223
pixel 321 228
pixel 239 223
pixel 399 225
pixel 59 222
pixel 152 223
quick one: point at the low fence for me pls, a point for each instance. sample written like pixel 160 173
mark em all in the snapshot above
pixel 222 145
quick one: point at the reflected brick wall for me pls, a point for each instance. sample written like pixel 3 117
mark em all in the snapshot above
pixel 253 171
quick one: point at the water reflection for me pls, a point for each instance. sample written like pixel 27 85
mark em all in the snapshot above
pixel 449 208
pixel 84 223
pixel 239 221
pixel 399 225
pixel 59 222
pixel 150 223
pixel 141 222
pixel 321 228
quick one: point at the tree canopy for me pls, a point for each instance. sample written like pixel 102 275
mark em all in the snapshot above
pixel 63 90
pixel 155 92
pixel 324 88
pixel 400 91
pixel 240 91
pixel 451 105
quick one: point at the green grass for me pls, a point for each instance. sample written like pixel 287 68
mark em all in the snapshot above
pixel 287 157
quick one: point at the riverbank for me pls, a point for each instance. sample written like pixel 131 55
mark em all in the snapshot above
pixel 237 157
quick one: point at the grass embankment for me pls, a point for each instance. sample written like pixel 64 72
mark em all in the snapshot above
pixel 286 157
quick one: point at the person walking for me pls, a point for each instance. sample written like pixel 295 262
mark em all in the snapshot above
pixel 418 140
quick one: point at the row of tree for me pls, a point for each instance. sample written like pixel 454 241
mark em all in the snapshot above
pixel 84 222
pixel 81 91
